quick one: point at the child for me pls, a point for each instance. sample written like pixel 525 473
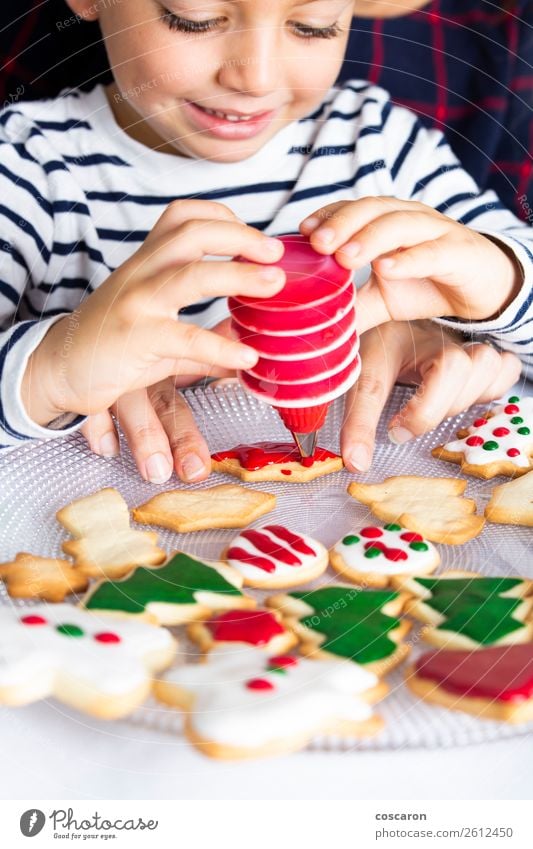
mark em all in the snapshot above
pixel 224 103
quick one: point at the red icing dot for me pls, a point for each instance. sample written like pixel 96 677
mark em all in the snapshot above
pixel 501 431
pixel 107 637
pixel 371 533
pixel 409 536
pixel 513 452
pixel 480 422
pixel 511 408
pixel 283 660
pixel 474 440
pixel 33 620
pixel 286 472
pixel 259 684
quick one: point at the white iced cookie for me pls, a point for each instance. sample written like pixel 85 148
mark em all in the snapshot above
pixel 374 554
pixel 499 443
pixel 274 557
pixel 101 666
pixel 242 704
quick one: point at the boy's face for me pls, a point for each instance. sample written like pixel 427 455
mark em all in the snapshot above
pixel 173 60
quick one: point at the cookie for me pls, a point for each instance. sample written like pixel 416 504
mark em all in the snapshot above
pixel 30 576
pixel 498 443
pixel 349 623
pixel 511 503
pixel 467 611
pixel 105 545
pixel 260 628
pixel 242 704
pixel 431 507
pixel 273 557
pixel 372 555
pixel 182 590
pixel 103 669
pixel 275 461
pixel 224 506
pixel 493 683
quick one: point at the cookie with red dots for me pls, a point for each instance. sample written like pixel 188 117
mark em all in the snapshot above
pixel 373 555
pixel 260 628
pixel 243 704
pixel 103 668
pixel 497 443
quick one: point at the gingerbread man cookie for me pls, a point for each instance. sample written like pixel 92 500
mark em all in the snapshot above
pixel 260 628
pixel 30 576
pixel 243 704
pixel 498 443
pixel 373 554
pixel 275 461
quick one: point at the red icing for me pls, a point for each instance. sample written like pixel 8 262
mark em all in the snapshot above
pixel 409 536
pixel 511 408
pixel 269 546
pixel 261 454
pixel 513 452
pixel 107 637
pixel 259 684
pixel 237 553
pixel 474 440
pixel 390 553
pixel 32 619
pixel 283 660
pixel 256 627
pixel 371 533
pixel 501 673
pixel 501 431
pixel 480 422
pixel 295 541
pixel 286 472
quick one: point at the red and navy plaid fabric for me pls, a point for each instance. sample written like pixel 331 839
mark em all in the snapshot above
pixel 466 67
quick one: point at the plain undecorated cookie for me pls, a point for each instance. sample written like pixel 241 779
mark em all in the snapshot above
pixel 30 576
pixel 512 503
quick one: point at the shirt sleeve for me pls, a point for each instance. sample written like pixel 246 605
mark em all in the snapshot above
pixel 424 168
pixel 26 239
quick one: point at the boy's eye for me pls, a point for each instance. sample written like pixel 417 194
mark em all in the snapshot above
pixel 176 23
pixel 305 31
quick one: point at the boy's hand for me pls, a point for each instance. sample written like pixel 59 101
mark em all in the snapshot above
pixel 450 376
pixel 424 264
pixel 127 335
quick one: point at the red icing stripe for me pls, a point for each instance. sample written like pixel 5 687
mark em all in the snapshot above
pixel 394 554
pixel 256 627
pixel 293 539
pixel 236 553
pixel 261 454
pixel 268 546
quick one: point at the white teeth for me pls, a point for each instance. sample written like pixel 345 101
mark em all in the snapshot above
pixel 225 115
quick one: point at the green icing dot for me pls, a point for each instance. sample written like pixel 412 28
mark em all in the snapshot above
pixel 351 539
pixel 392 527
pixel 70 630
pixel 277 669
pixel 418 546
pixel 514 399
pixel 372 552
pixel 524 431
pixel 490 445
pixel 517 420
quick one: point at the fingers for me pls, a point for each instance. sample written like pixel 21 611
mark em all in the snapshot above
pixel 381 357
pixel 501 370
pixel 180 211
pixel 190 454
pixel 145 435
pixel 99 431
pixel 205 347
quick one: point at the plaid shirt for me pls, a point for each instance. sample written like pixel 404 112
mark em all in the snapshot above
pixel 464 66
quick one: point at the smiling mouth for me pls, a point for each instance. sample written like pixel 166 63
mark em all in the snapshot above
pixel 233 116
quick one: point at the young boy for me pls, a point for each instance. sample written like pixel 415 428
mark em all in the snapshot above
pixel 222 124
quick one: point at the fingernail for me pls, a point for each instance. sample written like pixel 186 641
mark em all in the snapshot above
pixel 310 223
pixel 249 357
pixel 272 245
pixel 387 263
pixel 192 467
pixel 158 468
pixel 326 235
pixel 400 435
pixel 351 250
pixel 360 458
pixel 270 274
pixel 109 446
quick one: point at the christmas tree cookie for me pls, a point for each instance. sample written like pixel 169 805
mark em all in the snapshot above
pixel 349 623
pixel 101 668
pixel 260 628
pixel 179 591
pixel 497 443
pixel 370 556
pixel 243 704
pixel 468 611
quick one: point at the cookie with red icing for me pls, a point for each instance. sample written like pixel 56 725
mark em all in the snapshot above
pixel 374 554
pixel 262 629
pixel 491 683
pixel 274 557
pixel 497 443
pixel 275 461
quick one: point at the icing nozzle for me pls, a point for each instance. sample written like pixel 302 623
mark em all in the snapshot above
pixel 306 443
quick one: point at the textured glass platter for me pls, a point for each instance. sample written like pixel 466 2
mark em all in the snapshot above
pixel 39 478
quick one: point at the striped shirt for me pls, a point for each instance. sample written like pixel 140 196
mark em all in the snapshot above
pixel 78 196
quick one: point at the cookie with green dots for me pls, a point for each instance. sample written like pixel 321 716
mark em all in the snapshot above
pixel 372 555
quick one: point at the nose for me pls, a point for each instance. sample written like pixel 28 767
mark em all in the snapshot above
pixel 252 65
